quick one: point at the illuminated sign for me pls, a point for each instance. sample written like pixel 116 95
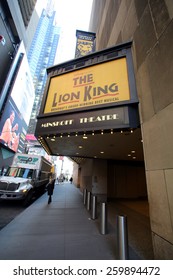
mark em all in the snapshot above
pixel 101 84
pixel 116 118
pixel 19 105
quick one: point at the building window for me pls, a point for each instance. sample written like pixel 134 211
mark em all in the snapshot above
pixel 26 8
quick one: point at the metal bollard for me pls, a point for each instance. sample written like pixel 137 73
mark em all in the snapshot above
pixel 88 201
pixel 122 238
pixel 103 218
pixel 94 207
pixel 84 196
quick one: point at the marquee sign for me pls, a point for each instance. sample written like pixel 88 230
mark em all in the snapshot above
pixel 91 93
pixel 116 118
pixel 101 84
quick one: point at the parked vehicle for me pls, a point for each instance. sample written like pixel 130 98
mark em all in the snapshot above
pixel 27 175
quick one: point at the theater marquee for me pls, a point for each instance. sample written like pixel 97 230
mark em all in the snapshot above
pixel 101 84
pixel 122 117
pixel 95 93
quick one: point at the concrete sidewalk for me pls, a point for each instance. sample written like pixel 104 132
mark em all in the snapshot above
pixel 62 230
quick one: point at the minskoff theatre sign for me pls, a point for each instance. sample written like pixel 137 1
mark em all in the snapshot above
pixel 115 118
pixel 93 92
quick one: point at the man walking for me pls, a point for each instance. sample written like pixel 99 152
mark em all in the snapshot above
pixel 50 188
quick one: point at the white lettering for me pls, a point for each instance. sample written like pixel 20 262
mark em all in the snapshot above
pixel 99 118
pixel 58 123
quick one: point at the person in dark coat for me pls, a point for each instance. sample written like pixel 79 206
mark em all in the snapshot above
pixel 50 188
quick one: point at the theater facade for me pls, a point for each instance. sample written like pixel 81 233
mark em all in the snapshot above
pixel 149 25
pixel 90 113
pixel 112 111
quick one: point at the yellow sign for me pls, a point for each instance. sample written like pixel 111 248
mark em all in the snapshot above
pixel 84 47
pixel 92 86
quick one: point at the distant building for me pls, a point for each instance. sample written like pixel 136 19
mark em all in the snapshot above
pixel 41 55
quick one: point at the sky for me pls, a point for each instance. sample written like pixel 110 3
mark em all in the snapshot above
pixel 71 15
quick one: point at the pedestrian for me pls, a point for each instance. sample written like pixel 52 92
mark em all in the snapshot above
pixel 71 180
pixel 50 188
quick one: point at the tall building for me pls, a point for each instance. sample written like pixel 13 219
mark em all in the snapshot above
pixel 149 25
pixel 41 55
pixel 18 21
pixel 14 28
pixel 25 18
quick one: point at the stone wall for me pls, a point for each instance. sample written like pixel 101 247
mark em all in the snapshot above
pixel 149 24
pixel 93 177
pixel 126 180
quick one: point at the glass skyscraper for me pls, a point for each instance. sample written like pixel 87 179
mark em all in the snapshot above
pixel 42 55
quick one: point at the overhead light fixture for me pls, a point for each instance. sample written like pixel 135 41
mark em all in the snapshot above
pixel 102 152
pixel 131 131
pixel 93 133
pixel 112 131
pixel 102 132
pixel 84 136
pixel 80 147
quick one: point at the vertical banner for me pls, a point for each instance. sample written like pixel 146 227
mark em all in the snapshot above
pixel 85 43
